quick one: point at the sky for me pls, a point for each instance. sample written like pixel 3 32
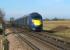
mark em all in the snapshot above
pixel 47 8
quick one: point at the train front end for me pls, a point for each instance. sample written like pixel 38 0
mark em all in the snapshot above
pixel 37 23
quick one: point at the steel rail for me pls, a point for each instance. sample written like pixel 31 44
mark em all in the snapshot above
pixel 54 41
pixel 59 43
pixel 27 42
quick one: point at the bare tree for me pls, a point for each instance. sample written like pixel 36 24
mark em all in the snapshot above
pixel 2 14
pixel 55 19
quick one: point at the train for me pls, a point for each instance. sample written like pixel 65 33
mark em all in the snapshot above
pixel 32 22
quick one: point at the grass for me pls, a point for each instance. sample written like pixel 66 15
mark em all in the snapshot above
pixel 64 34
pixel 50 25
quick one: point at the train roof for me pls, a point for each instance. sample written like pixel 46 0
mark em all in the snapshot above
pixel 32 15
pixel 35 15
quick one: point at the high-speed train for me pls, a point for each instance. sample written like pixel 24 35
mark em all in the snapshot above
pixel 32 21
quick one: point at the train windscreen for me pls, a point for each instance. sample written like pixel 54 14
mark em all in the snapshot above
pixel 36 16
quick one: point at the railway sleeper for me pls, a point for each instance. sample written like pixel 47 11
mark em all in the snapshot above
pixel 55 42
pixel 29 43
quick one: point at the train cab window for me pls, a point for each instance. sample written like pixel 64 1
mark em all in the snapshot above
pixel 36 16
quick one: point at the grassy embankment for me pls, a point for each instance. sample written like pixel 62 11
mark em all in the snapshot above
pixel 62 28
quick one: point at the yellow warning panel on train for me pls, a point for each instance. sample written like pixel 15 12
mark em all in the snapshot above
pixel 36 22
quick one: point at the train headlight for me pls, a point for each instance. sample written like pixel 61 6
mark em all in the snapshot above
pixel 36 22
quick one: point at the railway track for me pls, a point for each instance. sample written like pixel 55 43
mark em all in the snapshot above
pixel 38 44
pixel 58 42
pixel 20 38
pixel 47 38
pixel 64 45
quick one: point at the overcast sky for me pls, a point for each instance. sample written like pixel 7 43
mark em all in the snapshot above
pixel 47 8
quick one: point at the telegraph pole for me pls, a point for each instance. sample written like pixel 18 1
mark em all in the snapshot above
pixel 12 21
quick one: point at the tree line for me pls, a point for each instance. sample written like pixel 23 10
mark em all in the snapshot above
pixel 56 19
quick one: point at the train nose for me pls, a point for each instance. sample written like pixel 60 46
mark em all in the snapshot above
pixel 36 22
